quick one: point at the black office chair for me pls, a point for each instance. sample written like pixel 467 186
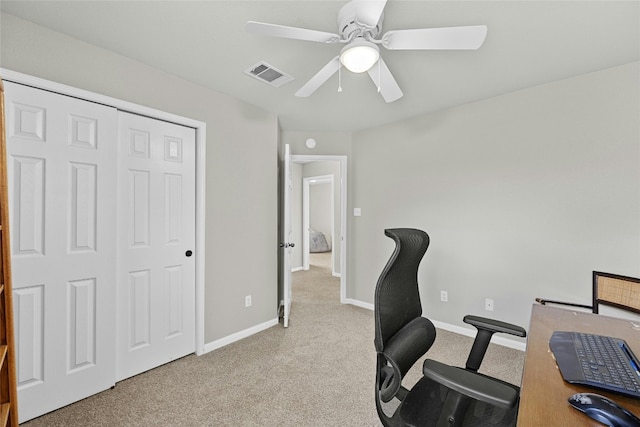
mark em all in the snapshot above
pixel 614 290
pixel 445 395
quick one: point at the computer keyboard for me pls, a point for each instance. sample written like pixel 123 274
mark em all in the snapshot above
pixel 602 362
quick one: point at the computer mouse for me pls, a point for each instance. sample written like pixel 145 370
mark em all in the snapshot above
pixel 604 410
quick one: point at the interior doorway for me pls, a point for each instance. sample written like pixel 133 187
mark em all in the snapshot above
pixel 328 173
pixel 318 222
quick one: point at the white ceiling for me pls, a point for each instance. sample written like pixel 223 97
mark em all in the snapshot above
pixel 528 43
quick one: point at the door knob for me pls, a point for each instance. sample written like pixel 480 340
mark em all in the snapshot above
pixel 188 253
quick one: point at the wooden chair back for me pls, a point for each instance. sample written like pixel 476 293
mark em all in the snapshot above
pixel 617 291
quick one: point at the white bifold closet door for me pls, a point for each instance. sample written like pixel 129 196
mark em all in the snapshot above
pixel 156 276
pixel 102 206
pixel 62 188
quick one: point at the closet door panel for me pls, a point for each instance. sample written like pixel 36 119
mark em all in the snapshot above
pixel 28 205
pixel 62 182
pixel 156 298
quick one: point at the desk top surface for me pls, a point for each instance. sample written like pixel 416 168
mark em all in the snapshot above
pixel 544 394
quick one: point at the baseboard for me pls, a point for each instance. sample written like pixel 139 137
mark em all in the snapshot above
pixel 358 303
pixel 294 269
pixel 496 339
pixel 239 335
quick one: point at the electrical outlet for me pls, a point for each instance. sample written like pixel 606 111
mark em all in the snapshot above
pixel 488 304
pixel 444 297
pixel 247 301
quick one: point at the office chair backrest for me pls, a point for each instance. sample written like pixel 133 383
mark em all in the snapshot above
pixel 397 299
pixel 616 291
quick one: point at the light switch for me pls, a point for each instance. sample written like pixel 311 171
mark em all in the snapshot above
pixel 357 212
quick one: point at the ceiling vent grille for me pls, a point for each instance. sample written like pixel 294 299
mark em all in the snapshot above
pixel 268 74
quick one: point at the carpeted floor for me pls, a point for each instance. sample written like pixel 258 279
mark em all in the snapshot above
pixel 317 372
pixel 320 259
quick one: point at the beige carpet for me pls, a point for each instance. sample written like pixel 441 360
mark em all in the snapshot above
pixel 317 372
pixel 320 259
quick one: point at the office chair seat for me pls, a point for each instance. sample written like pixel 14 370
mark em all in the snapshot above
pixel 445 395
pixel 423 407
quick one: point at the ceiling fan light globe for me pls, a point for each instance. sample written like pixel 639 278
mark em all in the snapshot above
pixel 359 56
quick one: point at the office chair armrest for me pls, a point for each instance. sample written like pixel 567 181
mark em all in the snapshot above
pixel 495 325
pixel 471 384
pixel 486 328
pixel 543 301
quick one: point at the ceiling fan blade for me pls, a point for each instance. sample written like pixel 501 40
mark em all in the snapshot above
pixel 368 12
pixel 383 79
pixel 470 38
pixel 274 30
pixel 318 80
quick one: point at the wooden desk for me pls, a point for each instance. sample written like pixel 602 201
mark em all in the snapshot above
pixel 544 394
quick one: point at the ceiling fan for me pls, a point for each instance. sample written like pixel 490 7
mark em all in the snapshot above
pixel 359 24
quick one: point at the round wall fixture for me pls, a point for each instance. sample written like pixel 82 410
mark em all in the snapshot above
pixel 310 143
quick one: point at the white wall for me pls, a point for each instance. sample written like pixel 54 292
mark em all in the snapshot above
pixel 327 143
pixel 321 208
pixel 523 195
pixel 241 208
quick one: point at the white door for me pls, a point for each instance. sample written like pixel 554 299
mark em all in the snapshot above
pixel 286 244
pixel 156 272
pixel 62 192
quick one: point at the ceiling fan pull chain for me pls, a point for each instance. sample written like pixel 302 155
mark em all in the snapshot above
pixel 340 77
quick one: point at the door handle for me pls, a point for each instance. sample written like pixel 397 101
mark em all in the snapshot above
pixel 188 253
pixel 287 245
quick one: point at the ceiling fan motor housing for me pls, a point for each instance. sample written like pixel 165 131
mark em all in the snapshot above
pixel 350 28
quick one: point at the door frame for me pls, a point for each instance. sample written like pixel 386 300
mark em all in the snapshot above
pixel 301 158
pixel 201 138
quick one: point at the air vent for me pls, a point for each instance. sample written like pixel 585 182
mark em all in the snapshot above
pixel 268 74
